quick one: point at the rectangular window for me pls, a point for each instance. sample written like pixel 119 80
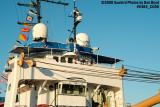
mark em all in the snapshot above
pixel 70 60
pixel 56 58
pixel 63 59
pixel 73 89
pixel 17 98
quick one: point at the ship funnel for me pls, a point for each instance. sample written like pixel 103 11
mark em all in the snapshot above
pixel 40 32
pixel 82 39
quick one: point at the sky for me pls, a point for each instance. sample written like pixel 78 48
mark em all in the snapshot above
pixel 121 31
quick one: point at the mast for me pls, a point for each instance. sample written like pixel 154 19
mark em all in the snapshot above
pixel 36 5
pixel 38 9
pixel 77 17
pixel 74 16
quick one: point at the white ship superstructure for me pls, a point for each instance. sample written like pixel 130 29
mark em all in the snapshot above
pixel 52 74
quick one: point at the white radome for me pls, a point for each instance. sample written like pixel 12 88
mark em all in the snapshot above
pixel 82 39
pixel 39 32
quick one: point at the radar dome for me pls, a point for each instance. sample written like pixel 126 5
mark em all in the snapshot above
pixel 82 39
pixel 40 32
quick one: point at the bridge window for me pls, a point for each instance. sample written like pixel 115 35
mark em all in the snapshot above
pixel 70 60
pixel 73 89
pixel 63 59
pixel 56 58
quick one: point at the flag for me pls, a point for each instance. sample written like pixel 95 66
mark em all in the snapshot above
pixel 32 12
pixel 23 37
pixel 27 25
pixel 25 30
pixel 29 18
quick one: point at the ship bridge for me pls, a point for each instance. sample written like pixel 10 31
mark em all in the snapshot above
pixel 43 48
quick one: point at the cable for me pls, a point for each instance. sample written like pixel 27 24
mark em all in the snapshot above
pixel 65 19
pixel 129 77
pixel 142 72
pixel 142 68
pixel 103 76
pixel 104 71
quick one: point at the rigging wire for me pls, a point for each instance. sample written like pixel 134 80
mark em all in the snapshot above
pixel 65 19
pixel 107 72
pixel 103 76
pixel 19 15
pixel 111 75
pixel 142 72
pixel 142 68
pixel 17 12
pixel 49 21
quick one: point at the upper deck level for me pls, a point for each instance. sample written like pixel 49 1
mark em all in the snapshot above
pixel 72 53
pixel 56 61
